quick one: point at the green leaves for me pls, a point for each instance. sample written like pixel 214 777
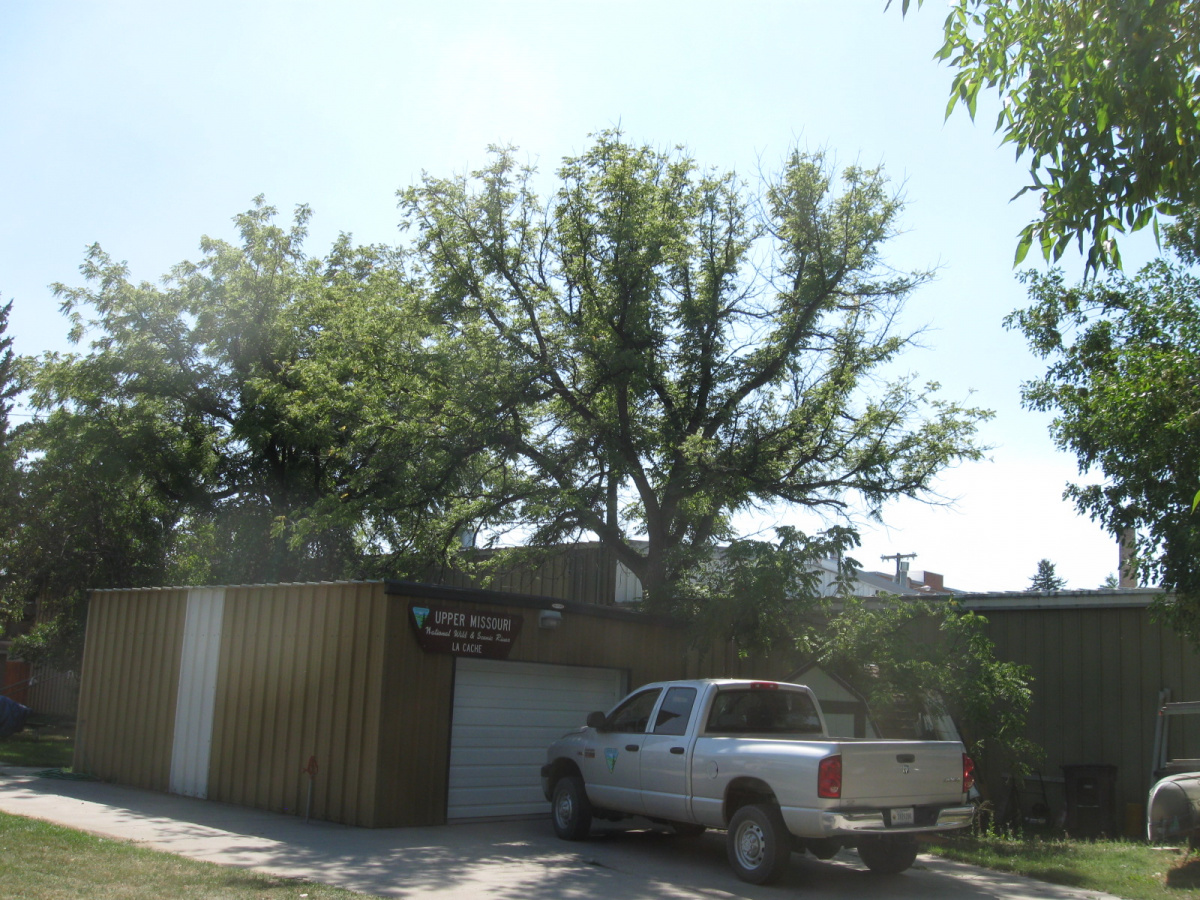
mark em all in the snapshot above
pixel 181 409
pixel 915 661
pixel 642 355
pixel 1123 356
pixel 668 346
pixel 767 596
pixel 1104 99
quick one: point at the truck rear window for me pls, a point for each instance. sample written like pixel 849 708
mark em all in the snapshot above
pixel 749 711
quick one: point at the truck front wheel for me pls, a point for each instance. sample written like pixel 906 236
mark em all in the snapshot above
pixel 570 809
pixel 758 844
pixel 888 855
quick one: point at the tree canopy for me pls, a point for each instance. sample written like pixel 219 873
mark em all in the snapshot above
pixel 657 348
pixel 640 357
pixel 1102 96
pixel 1122 384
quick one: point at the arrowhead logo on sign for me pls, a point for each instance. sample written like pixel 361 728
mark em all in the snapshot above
pixel 610 757
pixel 420 614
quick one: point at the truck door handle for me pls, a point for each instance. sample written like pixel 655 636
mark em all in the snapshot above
pixel 678 751
pixel 632 748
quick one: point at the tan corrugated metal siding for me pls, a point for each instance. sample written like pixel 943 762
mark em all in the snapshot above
pixel 331 671
pixel 583 573
pixel 1097 675
pixel 301 677
pixel 414 728
pixel 130 674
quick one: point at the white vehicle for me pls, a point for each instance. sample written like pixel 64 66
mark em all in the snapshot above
pixel 754 758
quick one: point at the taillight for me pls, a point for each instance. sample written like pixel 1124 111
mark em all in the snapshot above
pixel 968 773
pixel 829 778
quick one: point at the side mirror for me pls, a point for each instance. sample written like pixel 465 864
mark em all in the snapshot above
pixel 596 720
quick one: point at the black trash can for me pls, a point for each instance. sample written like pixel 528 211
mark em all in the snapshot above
pixel 1091 793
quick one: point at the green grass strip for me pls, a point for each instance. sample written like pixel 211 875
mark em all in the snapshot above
pixel 1126 869
pixel 40 861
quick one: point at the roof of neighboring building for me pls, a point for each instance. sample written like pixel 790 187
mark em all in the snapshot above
pixel 871 584
pixel 1097 598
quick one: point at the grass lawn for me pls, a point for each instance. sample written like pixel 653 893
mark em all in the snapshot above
pixel 51 747
pixel 39 861
pixel 1135 871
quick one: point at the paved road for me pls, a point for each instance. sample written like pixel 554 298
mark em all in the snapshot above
pixel 517 860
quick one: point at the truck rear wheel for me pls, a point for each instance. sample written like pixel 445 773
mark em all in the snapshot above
pixel 888 854
pixel 758 844
pixel 570 809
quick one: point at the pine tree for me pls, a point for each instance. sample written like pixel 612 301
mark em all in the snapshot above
pixel 1046 579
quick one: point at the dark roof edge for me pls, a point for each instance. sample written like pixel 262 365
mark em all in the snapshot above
pixel 420 590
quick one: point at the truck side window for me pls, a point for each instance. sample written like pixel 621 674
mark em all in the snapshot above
pixel 632 716
pixel 675 711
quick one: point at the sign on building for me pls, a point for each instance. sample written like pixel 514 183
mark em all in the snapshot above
pixel 489 635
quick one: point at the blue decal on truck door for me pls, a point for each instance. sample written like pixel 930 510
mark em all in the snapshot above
pixel 610 757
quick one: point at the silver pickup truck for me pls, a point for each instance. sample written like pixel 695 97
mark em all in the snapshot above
pixel 754 758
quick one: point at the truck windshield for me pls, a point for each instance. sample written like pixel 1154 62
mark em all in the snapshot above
pixel 752 711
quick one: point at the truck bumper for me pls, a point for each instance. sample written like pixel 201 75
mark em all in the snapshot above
pixel 867 821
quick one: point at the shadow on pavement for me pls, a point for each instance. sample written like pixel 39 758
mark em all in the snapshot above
pixel 520 860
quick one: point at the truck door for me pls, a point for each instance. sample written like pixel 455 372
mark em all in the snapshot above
pixel 664 782
pixel 612 774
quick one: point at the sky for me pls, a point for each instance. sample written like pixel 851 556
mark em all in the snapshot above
pixel 142 126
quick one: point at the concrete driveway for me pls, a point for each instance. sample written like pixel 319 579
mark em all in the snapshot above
pixel 518 860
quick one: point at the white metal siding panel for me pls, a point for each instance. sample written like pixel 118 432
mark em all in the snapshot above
pixel 505 716
pixel 192 746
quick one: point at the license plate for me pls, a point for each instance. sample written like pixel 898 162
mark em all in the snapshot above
pixel 902 816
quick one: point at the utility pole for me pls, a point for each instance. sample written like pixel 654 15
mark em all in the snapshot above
pixel 901 566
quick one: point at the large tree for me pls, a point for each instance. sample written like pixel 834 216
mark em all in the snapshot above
pixel 657 348
pixel 190 441
pixel 1103 99
pixel 187 386
pixel 651 351
pixel 1124 389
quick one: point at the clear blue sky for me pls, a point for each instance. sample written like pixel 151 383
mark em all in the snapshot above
pixel 143 125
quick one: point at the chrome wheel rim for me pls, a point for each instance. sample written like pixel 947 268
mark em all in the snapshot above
pixel 751 845
pixel 563 809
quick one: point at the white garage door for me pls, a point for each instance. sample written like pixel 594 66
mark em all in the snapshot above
pixel 505 716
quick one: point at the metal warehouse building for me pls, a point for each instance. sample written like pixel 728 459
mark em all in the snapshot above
pixel 369 703
pixel 392 703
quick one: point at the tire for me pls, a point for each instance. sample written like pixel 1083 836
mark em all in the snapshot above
pixel 888 855
pixel 687 829
pixel 570 809
pixel 758 844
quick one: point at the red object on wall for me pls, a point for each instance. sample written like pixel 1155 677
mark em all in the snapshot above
pixel 16 681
